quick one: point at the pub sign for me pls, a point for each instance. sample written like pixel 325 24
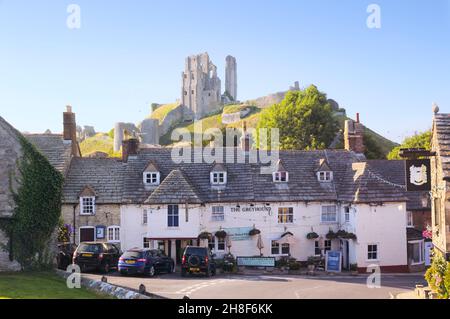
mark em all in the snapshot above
pixel 418 175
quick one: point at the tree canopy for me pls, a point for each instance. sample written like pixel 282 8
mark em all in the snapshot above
pixel 418 140
pixel 304 118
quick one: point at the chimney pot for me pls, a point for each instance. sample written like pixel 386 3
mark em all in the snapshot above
pixel 130 147
pixel 68 109
pixel 357 117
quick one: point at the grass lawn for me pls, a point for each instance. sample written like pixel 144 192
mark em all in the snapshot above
pixel 40 285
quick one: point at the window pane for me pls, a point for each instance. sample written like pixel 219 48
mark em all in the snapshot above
pixel 275 248
pixel 285 249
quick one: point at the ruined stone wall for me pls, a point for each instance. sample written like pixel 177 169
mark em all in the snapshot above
pixel 149 131
pixel 231 77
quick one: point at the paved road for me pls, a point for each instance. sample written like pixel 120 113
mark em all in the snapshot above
pixel 268 287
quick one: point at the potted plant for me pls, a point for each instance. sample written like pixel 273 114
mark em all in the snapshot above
pixel 312 236
pixel 221 234
pixel 254 232
pixel 311 263
pixel 205 235
pixel 354 269
pixel 331 235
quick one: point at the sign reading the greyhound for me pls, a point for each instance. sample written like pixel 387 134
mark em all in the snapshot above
pixel 418 175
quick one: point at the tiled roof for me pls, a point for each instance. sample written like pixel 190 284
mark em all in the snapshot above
pixel 103 175
pixel 441 123
pixel 175 189
pixel 54 148
pixel 354 180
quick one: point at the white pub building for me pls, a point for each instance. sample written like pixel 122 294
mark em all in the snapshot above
pixel 312 201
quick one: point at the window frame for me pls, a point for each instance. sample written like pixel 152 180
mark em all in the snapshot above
pixel 145 217
pixel 215 243
pixel 322 220
pixel 325 176
pixel 409 219
pixel 421 251
pixel 112 229
pixel 283 215
pixel 154 177
pixel 347 216
pixel 215 178
pixel 279 247
pixel 217 216
pixel 377 252
pixel 173 215
pixel 278 177
pixel 83 205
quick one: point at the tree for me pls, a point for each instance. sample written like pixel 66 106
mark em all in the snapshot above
pixel 304 118
pixel 418 140
pixel 373 150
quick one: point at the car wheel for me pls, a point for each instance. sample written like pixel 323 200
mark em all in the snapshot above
pixel 151 271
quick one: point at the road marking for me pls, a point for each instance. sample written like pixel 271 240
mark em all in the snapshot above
pixel 191 289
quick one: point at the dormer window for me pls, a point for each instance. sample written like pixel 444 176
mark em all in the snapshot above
pixel 151 175
pixel 87 201
pixel 87 205
pixel 218 178
pixel 218 175
pixel 280 177
pixel 151 178
pixel 325 176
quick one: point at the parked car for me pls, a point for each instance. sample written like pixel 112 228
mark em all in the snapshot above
pixel 98 256
pixel 197 260
pixel 65 255
pixel 146 262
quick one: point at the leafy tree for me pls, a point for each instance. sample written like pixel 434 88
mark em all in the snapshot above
pixel 418 140
pixel 373 150
pixel 304 118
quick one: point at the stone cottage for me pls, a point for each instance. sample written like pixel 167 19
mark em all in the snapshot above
pixel 59 149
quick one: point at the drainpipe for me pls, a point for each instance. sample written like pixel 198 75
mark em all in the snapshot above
pixel 74 223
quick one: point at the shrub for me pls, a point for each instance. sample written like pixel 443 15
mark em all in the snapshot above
pixel 438 277
pixel 312 235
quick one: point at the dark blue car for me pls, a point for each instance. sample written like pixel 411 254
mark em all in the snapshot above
pixel 145 262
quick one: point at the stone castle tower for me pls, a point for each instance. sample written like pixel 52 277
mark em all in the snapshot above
pixel 201 89
pixel 231 77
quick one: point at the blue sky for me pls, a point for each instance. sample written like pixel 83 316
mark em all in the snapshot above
pixel 129 54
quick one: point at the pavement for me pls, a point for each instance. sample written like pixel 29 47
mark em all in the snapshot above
pixel 225 286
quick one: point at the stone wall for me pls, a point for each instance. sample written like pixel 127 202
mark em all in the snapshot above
pixel 105 215
pixel 172 118
pixel 10 152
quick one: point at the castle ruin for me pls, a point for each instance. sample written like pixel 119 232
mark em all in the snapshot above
pixel 201 87
pixel 231 78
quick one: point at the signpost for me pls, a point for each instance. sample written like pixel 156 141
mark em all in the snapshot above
pixel 256 261
pixel 418 175
pixel 333 261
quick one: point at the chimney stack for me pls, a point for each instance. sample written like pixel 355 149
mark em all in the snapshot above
pixel 130 147
pixel 70 129
pixel 354 136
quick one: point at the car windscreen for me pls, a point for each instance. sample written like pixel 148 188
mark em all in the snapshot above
pixel 90 248
pixel 198 251
pixel 132 254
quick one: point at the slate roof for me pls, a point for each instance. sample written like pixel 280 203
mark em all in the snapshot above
pixel 175 189
pixel 103 175
pixel 54 148
pixel 441 123
pixel 354 180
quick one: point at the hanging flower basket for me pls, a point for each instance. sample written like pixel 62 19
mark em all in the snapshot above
pixel 205 235
pixel 254 232
pixel 345 235
pixel 331 235
pixel 312 235
pixel 221 234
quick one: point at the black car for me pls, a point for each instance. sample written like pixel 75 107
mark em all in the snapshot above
pixel 65 255
pixel 98 256
pixel 197 260
pixel 145 262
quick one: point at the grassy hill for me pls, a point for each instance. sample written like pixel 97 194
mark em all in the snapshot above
pixel 100 142
pixel 161 112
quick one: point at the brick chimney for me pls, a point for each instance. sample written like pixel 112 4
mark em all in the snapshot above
pixel 354 136
pixel 70 129
pixel 245 138
pixel 130 147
